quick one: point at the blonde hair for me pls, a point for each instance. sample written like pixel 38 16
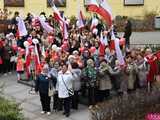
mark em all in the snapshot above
pixel 90 62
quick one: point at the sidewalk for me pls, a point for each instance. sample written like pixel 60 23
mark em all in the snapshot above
pixel 31 103
pixel 144 37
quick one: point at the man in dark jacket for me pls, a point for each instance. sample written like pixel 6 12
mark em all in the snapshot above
pixel 127 32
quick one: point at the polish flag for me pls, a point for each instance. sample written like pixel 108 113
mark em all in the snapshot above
pixel 63 23
pixel 27 58
pixel 102 48
pixel 118 50
pixel 36 56
pixel 94 23
pixel 104 40
pixel 45 25
pixel 57 14
pixel 21 27
pixel 93 6
pixel 105 11
pixel 80 22
pixel 65 31
pixel 103 43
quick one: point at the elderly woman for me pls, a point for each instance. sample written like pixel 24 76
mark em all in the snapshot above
pixel 104 79
pixel 42 85
pixel 89 75
pixel 64 87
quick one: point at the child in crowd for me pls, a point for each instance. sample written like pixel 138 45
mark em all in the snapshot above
pixel 20 67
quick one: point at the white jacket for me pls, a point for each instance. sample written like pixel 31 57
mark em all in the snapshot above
pixel 64 80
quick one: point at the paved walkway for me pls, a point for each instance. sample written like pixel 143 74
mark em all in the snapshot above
pixel 31 103
pixel 145 37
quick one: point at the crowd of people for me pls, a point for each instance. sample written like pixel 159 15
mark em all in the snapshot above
pixel 78 66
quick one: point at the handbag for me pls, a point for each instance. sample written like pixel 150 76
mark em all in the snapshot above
pixel 51 89
pixel 70 91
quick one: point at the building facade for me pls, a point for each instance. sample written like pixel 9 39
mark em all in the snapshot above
pixel 131 8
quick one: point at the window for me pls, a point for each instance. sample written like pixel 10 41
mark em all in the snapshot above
pixel 58 3
pixel 133 2
pixel 13 3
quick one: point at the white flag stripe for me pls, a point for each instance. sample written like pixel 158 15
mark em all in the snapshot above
pixel 80 23
pixel 118 50
pixel 21 27
pixel 45 25
pixel 37 54
pixel 107 7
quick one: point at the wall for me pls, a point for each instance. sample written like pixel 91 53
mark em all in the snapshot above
pixel 36 6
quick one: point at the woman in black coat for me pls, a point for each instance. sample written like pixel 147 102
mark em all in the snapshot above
pixel 42 86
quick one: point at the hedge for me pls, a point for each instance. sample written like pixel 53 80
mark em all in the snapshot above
pixel 9 110
pixel 135 106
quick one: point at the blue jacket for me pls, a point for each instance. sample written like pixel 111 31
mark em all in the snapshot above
pixel 42 84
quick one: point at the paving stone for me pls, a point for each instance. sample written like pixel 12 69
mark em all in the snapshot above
pixel 43 118
pixel 22 95
pixel 35 100
pixel 66 118
pixel 30 107
pixel 15 88
pixel 29 115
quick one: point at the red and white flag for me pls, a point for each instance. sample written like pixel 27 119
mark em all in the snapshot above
pixel 37 60
pixel 21 27
pixel 102 8
pixel 118 50
pixel 102 48
pixel 103 43
pixel 105 11
pixel 104 40
pixel 36 56
pixel 45 25
pixel 63 23
pixel 80 21
pixel 57 14
pixel 93 6
pixel 27 58
pixel 94 24
pixel 65 31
